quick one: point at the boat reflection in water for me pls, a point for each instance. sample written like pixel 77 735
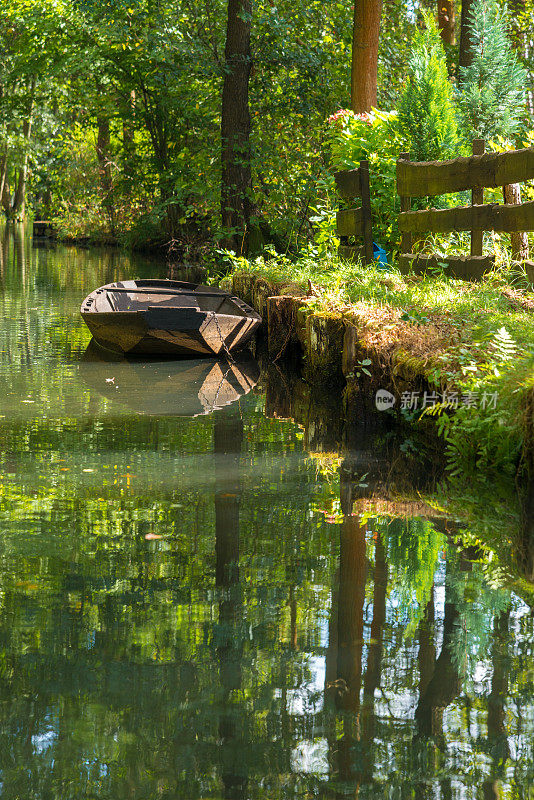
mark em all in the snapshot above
pixel 187 388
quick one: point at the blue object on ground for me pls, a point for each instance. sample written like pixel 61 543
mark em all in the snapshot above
pixel 380 255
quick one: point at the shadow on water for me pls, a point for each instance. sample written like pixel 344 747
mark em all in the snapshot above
pixel 270 601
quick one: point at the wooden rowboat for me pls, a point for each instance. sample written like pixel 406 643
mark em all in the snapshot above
pixel 164 317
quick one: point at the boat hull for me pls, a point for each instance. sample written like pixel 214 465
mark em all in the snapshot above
pixel 187 331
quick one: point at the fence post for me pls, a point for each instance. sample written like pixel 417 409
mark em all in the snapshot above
pixel 366 211
pixel 518 239
pixel 406 238
pixel 477 199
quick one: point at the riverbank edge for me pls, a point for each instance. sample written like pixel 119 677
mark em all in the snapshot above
pixel 332 355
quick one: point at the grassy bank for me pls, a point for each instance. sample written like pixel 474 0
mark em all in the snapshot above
pixel 470 344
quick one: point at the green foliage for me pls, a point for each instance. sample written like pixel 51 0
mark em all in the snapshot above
pixel 427 115
pixel 491 93
pixel 376 137
pixel 470 341
pixel 153 73
pixel 521 32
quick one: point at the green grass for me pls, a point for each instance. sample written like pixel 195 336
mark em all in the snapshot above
pixel 466 336
pixel 480 310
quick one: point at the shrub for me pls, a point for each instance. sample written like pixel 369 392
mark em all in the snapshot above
pixel 376 137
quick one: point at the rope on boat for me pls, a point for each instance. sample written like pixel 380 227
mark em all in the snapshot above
pixel 223 342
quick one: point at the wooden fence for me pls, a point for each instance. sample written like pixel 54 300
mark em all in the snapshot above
pixel 354 222
pixel 430 178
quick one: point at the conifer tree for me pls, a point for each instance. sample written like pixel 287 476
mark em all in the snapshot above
pixel 427 116
pixel 492 88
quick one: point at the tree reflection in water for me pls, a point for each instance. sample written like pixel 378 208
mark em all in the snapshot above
pixel 199 608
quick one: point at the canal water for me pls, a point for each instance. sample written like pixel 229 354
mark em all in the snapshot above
pixel 191 608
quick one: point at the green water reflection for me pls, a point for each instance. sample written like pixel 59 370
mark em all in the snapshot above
pixel 187 613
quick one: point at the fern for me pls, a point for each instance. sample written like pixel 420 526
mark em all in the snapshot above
pixel 503 345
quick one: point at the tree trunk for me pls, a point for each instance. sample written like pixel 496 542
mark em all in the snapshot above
pixel 3 172
pixel 374 652
pixel 128 143
pixel 236 182
pixel 6 197
pixel 519 239
pixel 466 43
pixel 364 71
pixel 499 749
pixel 426 656
pixel 103 143
pixel 351 599
pixel 446 680
pixel 352 577
pixel 520 24
pixel 19 197
pixel 374 656
pixel 447 21
pixel 156 121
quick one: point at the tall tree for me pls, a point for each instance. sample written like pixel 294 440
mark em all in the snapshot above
pixel 447 21
pixel 492 87
pixel 364 70
pixel 466 43
pixel 351 599
pixel 236 185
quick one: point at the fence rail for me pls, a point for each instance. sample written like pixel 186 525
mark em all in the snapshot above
pixel 430 178
pixel 490 170
pixel 489 217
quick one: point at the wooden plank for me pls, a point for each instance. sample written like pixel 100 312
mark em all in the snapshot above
pixel 349 222
pixel 467 268
pixel 429 178
pixel 351 253
pixel 348 183
pixel 489 217
pixel 477 199
pixel 406 204
pixel 168 292
pixel 518 240
pixel 528 266
pixel 367 225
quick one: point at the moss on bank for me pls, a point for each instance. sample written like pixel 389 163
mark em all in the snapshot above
pixel 470 343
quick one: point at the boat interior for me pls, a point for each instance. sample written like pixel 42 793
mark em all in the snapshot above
pixel 138 299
